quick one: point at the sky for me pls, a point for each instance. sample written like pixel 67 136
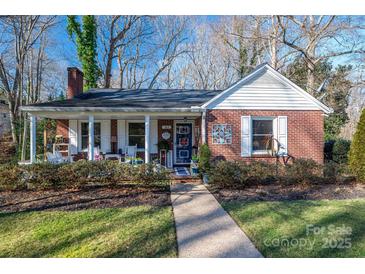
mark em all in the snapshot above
pixel 63 50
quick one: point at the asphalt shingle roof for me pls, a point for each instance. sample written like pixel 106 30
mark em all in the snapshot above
pixel 141 98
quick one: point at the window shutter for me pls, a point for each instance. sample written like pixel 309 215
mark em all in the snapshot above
pixel 72 135
pixel 283 135
pixel 246 136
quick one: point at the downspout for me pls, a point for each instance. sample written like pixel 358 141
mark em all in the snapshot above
pixel 203 126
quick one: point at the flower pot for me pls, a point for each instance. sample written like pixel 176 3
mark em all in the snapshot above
pixel 205 179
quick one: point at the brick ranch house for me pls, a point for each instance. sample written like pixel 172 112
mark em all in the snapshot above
pixel 237 123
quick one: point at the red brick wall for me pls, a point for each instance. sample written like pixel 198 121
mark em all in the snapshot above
pixel 62 129
pixel 114 135
pixel 75 82
pixel 305 133
pixel 167 123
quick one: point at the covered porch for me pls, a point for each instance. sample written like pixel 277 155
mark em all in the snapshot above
pixel 171 138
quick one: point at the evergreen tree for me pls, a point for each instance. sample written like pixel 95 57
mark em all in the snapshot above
pixel 357 150
pixel 86 46
pixel 333 90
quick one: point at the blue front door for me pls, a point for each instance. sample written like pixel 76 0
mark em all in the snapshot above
pixel 183 143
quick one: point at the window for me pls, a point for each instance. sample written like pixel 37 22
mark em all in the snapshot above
pixel 85 135
pixel 136 134
pixel 262 132
pixel 222 134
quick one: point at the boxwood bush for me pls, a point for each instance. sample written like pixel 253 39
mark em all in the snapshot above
pixel 79 174
pixel 236 175
pixel 240 174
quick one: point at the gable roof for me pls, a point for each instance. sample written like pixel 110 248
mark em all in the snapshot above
pixel 265 88
pixel 131 99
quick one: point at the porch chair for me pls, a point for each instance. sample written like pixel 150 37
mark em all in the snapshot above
pixel 53 159
pixel 65 159
pixel 130 153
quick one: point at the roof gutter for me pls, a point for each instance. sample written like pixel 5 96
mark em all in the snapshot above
pixel 107 109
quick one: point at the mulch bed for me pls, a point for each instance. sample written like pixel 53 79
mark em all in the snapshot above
pixel 85 198
pixel 277 192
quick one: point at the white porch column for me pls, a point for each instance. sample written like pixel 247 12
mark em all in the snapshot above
pixel 91 138
pixel 147 120
pixel 33 138
pixel 203 129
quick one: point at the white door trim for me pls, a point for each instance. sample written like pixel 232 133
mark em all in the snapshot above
pixel 192 122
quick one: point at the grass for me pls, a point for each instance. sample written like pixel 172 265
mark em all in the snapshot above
pixel 140 231
pixel 279 229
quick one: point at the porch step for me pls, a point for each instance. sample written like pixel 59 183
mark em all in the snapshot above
pixel 185 179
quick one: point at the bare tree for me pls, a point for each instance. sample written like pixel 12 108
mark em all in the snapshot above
pixel 318 38
pixel 22 33
pixel 170 44
pixel 115 32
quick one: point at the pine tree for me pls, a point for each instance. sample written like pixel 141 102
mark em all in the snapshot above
pixel 357 150
pixel 86 46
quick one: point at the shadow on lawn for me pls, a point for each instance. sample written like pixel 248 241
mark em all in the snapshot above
pixel 107 233
pixel 289 220
pixel 91 197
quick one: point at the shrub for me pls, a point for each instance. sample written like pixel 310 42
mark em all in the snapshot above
pixel 357 150
pixel 226 174
pixel 328 149
pixel 240 174
pixel 204 158
pixel 261 172
pixel 303 170
pixel 10 177
pixel 149 175
pixel 340 151
pixel 80 173
pixel 40 176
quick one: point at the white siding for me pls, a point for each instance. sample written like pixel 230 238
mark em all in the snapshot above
pixel 73 136
pixel 153 136
pixel 105 135
pixel 264 91
pixel 122 135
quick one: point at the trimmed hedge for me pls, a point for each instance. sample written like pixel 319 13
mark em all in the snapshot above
pixel 238 175
pixel 80 173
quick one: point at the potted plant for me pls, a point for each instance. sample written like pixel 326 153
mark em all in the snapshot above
pixel 204 161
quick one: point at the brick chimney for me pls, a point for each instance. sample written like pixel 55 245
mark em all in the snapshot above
pixel 75 82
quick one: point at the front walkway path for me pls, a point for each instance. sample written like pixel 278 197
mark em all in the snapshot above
pixel 204 229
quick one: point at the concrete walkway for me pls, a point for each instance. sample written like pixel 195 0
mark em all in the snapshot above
pixel 204 229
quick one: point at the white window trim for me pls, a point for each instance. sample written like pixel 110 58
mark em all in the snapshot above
pixel 260 152
pixel 79 134
pixel 222 125
pixel 127 132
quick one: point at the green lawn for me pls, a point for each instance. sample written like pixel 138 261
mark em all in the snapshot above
pixel 139 231
pixel 279 229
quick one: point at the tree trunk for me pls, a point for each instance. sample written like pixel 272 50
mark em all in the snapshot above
pixel 108 67
pixel 310 79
